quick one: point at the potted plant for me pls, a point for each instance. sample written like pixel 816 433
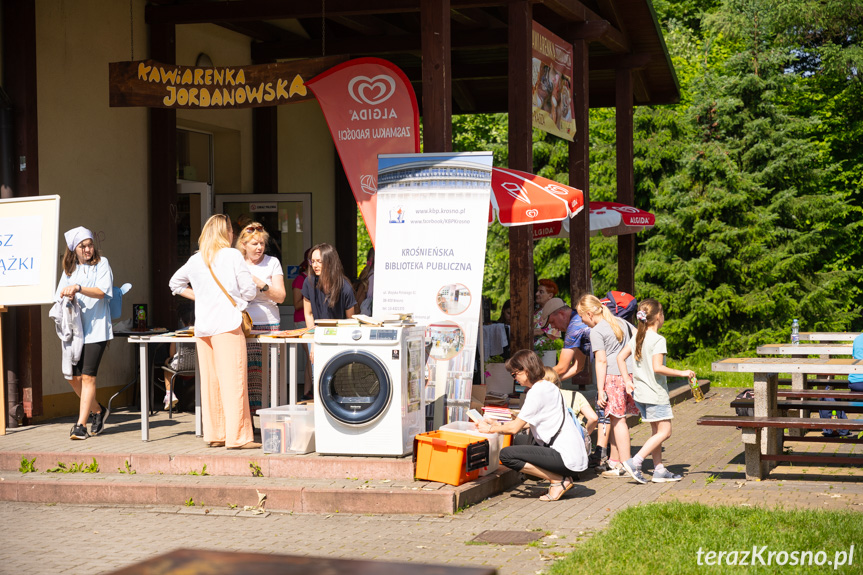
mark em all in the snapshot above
pixel 547 351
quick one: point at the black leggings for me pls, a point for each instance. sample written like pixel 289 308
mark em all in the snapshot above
pixel 91 357
pixel 523 450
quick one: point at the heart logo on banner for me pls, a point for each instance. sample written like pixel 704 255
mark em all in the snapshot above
pixel 532 213
pixel 372 91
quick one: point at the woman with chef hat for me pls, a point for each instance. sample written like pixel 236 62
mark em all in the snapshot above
pixel 87 279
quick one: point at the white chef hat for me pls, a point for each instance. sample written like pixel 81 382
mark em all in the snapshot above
pixel 77 235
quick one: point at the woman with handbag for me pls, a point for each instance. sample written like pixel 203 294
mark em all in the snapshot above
pixel 554 450
pixel 218 280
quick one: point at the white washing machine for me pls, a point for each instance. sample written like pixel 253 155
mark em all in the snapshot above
pixel 368 389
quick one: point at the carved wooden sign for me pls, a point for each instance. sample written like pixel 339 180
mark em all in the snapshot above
pixel 156 85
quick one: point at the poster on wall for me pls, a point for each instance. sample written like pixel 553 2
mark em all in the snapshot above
pixel 552 84
pixel 432 212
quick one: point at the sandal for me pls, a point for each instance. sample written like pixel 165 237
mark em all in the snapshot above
pixel 215 444
pixel 564 485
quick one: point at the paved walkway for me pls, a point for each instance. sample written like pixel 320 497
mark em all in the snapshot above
pixel 49 539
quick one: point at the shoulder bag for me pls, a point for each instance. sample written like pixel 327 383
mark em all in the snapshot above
pixel 247 319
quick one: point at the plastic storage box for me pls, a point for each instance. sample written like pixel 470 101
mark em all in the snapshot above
pixel 495 442
pixel 449 457
pixel 288 429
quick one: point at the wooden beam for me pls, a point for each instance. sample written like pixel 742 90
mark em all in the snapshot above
pixel 520 158
pixel 436 75
pixel 205 11
pixel 269 51
pixel 574 11
pixel 640 91
pixel 625 177
pixel 163 188
pixel 259 31
pixel 579 177
pixel 462 97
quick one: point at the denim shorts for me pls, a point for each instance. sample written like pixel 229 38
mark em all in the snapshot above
pixel 654 411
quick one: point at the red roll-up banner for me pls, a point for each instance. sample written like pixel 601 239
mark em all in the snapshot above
pixel 370 108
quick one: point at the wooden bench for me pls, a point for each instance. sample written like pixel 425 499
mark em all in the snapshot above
pixel 752 436
pixel 762 435
pixel 805 383
pixel 809 405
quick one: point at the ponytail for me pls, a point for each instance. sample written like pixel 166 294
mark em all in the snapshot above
pixel 648 309
pixel 591 304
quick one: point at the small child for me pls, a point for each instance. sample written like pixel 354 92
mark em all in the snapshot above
pixel 650 390
pixel 580 406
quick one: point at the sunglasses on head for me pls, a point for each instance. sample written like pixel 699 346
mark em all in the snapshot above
pixel 255 228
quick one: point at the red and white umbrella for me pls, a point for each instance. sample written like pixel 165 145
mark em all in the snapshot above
pixel 607 218
pixel 519 198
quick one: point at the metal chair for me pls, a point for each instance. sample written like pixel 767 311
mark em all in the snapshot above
pixel 173 376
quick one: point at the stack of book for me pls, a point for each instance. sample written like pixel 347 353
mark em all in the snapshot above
pixel 496 398
pixel 497 413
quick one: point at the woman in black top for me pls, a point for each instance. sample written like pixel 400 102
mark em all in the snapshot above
pixel 327 293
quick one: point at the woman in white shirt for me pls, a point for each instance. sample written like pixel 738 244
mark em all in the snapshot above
pixel 555 450
pixel 87 279
pixel 219 338
pixel 270 280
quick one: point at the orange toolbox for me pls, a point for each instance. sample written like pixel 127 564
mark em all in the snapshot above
pixel 449 457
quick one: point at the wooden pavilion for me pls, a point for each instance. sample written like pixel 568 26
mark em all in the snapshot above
pixel 462 56
pixel 120 168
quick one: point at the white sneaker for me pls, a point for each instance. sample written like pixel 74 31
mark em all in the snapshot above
pixel 615 472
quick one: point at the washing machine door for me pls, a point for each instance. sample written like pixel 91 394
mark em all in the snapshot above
pixel 355 387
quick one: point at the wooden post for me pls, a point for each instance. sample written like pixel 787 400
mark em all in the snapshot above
pixel 163 187
pixel 625 177
pixel 520 158
pixel 3 407
pixel 265 163
pixel 579 172
pixel 437 75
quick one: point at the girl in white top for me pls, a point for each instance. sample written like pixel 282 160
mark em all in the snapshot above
pixel 220 342
pixel 557 452
pixel 649 389
pixel 270 280
pixel 87 278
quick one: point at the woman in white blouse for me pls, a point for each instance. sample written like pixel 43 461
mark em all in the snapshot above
pixel 554 450
pixel 270 280
pixel 219 338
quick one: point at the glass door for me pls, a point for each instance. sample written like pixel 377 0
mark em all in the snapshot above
pixel 287 219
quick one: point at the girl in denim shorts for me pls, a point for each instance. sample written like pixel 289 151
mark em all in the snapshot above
pixel 650 390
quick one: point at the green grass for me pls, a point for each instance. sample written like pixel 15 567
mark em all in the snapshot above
pixel 666 538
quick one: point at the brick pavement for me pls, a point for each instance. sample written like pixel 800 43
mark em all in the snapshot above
pixel 91 539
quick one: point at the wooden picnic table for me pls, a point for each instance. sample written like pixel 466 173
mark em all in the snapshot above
pixel 828 336
pixel 765 371
pixel 805 348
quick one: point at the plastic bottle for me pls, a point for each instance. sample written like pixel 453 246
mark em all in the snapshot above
pixel 696 391
pixel 795 333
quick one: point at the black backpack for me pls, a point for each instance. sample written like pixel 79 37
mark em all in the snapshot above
pixel 746 411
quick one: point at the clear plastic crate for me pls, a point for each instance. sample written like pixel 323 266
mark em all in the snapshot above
pixel 288 429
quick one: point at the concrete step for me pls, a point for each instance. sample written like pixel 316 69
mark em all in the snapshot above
pixel 225 492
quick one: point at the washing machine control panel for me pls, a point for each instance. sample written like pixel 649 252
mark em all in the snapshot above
pixel 384 335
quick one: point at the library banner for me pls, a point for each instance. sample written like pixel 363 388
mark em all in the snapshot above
pixel 552 84
pixel 432 213
pixel 370 108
